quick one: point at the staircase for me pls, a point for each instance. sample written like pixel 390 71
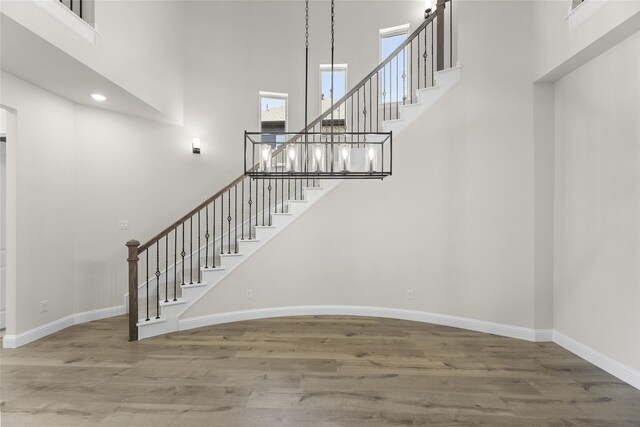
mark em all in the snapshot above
pixel 189 258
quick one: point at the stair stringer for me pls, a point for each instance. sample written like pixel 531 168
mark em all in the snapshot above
pixel 171 319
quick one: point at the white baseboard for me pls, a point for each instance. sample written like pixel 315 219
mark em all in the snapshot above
pixel 350 310
pixel 615 368
pixel 14 341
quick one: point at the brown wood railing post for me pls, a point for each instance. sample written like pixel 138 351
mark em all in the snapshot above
pixel 440 34
pixel 133 289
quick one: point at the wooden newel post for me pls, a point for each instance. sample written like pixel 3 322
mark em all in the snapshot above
pixel 133 289
pixel 440 35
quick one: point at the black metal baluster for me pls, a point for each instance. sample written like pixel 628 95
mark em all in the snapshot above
pixel 191 250
pixel 433 57
pixel 418 56
pixel 206 238
pixel 364 112
pixel 235 217
pixel 275 208
pixel 242 221
pixel 263 209
pixel 269 188
pixel 213 239
pixel 257 204
pixel 390 90
pixel 182 254
pixel 229 224
pixel 397 89
pixel 147 285
pixel 433 80
pixel 370 106
pixel 199 265
pixel 157 279
pixel 384 94
pixel 250 203
pixel 166 268
pixel 358 115
pixel 411 72
pixel 404 76
pixel 221 225
pixel 378 101
pixel 351 122
pixel 450 33
pixel 175 262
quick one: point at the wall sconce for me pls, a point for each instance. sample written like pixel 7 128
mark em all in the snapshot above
pixel 195 145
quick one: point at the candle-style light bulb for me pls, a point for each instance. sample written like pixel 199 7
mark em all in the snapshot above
pixel 318 155
pixel 292 159
pixel 372 156
pixel 266 153
pixel 345 156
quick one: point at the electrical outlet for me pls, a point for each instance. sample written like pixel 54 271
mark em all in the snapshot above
pixel 409 293
pixel 123 224
pixel 44 306
pixel 249 294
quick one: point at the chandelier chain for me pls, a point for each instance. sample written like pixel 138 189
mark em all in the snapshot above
pixel 306 25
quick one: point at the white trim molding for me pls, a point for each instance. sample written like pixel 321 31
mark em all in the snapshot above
pixel 615 368
pixel 14 341
pixel 583 11
pixel 352 310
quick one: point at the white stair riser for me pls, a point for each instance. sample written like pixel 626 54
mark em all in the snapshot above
pixel 265 234
pixel 246 247
pixel 282 220
pixel 154 329
pixel 190 293
pixel 297 208
pixel 229 262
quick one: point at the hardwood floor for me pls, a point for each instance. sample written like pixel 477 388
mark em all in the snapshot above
pixel 305 371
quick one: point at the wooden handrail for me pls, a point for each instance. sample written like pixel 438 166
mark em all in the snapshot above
pixel 298 135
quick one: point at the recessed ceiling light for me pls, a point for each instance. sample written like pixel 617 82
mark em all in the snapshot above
pixel 98 97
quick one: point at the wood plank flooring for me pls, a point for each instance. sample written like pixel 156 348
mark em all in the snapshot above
pixel 305 371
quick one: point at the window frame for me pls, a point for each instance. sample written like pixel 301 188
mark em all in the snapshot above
pixel 274 95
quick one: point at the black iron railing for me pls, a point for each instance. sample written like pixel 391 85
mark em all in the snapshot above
pixel 76 6
pixel 318 155
pixel 172 258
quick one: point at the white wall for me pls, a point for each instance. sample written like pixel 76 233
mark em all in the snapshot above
pixel 597 203
pixel 563 41
pixel 454 223
pixel 42 166
pixel 79 170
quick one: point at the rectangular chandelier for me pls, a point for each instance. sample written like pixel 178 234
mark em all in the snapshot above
pixel 319 155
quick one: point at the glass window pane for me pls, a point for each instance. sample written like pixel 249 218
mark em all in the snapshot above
pixel 273 117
